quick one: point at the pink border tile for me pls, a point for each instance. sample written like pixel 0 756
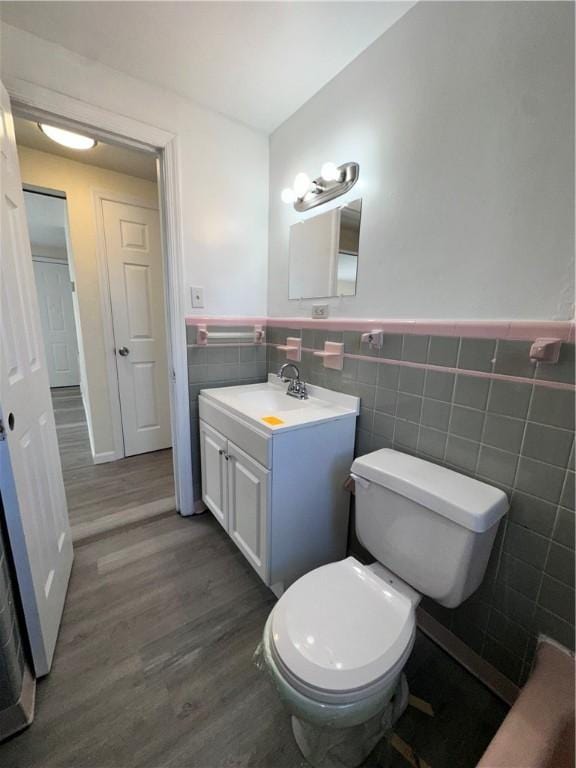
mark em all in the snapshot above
pixel 201 320
pixel 520 330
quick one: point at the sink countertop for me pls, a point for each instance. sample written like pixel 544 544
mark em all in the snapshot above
pixel 256 402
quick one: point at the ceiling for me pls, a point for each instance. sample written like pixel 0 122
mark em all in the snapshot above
pixel 114 158
pixel 256 62
pixel 46 223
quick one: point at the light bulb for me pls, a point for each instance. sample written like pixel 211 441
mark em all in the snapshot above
pixel 67 138
pixel 330 172
pixel 288 195
pixel 301 184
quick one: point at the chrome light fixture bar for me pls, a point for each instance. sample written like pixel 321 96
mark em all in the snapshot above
pixel 333 182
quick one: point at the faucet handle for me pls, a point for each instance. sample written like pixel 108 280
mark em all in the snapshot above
pixel 298 387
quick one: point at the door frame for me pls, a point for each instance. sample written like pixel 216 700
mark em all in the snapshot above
pixel 98 197
pixel 35 102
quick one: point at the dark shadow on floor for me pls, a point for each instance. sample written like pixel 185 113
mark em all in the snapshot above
pixel 466 713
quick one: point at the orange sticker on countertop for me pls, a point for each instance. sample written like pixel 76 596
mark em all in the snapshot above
pixel 274 421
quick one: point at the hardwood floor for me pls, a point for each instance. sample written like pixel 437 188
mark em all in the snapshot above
pixel 154 667
pixel 103 496
pixel 154 662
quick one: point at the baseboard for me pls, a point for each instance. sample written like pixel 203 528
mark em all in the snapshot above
pixel 105 457
pixel 464 655
pixel 123 518
pixel 198 507
pixel 19 715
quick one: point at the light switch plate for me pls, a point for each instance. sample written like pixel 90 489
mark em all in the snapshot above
pixel 197 293
pixel 320 311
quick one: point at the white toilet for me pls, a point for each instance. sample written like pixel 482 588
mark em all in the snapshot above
pixel 336 642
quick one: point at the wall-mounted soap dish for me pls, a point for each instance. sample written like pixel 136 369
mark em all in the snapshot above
pixel 292 348
pixel 332 355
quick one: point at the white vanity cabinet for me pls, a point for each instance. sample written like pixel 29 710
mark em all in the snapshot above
pixel 278 492
pixel 248 505
pixel 213 447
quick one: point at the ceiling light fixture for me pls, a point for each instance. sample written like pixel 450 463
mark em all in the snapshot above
pixel 334 180
pixel 67 138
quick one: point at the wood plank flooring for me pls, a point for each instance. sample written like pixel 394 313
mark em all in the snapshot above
pixel 154 667
pixel 97 492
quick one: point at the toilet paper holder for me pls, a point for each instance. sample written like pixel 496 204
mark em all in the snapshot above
pixel 374 338
pixel 545 350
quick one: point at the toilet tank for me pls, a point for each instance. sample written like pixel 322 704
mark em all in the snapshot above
pixel 431 526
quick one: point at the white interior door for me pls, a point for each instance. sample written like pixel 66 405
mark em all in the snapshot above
pixel 30 471
pixel 134 254
pixel 57 319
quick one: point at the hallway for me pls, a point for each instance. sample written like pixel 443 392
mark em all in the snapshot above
pixel 103 497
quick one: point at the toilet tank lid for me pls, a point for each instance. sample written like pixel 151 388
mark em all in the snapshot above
pixel 468 502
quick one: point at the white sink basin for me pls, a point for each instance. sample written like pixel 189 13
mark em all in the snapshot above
pixel 268 407
pixel 266 397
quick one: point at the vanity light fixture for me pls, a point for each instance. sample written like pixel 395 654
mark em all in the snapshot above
pixel 67 138
pixel 288 195
pixel 334 180
pixel 330 172
pixel 302 185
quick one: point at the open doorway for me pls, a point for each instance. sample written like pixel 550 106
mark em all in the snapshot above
pixel 94 226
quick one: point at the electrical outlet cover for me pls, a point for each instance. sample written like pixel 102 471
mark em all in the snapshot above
pixel 320 311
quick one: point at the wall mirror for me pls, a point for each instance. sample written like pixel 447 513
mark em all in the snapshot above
pixel 324 253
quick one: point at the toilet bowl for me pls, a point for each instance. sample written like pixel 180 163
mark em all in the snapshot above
pixel 337 641
pixel 335 646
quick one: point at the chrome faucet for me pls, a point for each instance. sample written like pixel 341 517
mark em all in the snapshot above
pixel 296 387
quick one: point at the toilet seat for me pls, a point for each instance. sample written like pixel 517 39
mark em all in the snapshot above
pixel 341 634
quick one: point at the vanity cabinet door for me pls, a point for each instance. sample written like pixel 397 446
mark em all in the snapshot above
pixel 213 455
pixel 248 508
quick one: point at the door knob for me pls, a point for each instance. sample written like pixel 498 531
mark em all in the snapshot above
pixel 124 351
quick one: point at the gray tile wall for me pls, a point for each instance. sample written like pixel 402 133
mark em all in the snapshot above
pixel 11 652
pixel 218 366
pixel 518 436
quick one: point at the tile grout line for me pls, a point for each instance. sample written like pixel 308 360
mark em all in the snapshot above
pixel 491 608
pixel 541 575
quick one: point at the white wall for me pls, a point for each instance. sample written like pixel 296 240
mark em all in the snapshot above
pixel 224 168
pixel 461 117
